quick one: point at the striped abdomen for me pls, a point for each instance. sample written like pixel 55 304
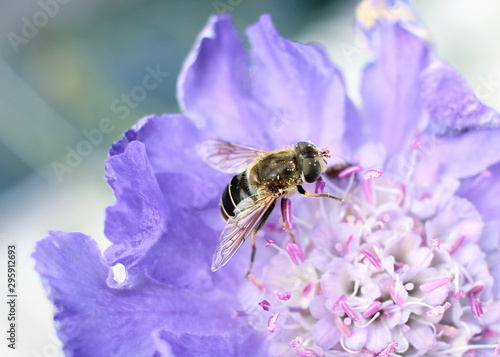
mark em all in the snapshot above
pixel 236 191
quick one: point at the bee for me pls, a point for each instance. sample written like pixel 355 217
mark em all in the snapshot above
pixel 262 178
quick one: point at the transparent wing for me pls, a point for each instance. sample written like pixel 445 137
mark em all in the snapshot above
pixel 239 227
pixel 228 157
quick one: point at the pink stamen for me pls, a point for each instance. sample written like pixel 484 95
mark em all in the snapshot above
pixel 372 258
pixel 386 351
pixel 307 289
pixel 406 328
pixel 456 245
pixel 294 344
pixel 457 295
pixel 475 291
pixel 265 305
pixel 434 284
pixel 320 186
pixel 273 227
pixel 336 304
pixel 269 242
pixel 349 171
pixel 415 144
pixel 349 311
pixel 372 309
pixel 255 281
pixel 438 310
pixel 287 213
pixel 436 243
pixel 369 175
pixel 476 308
pixel 347 321
pixel 403 194
pixel 395 296
pixel 425 196
pixel 284 295
pixel 344 330
pixel 271 324
pixel 295 252
pixel 348 244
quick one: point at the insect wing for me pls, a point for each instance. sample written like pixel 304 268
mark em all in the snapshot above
pixel 228 157
pixel 239 227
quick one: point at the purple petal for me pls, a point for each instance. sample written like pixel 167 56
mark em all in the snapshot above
pixel 421 337
pixel 483 191
pixel 171 145
pixel 391 88
pixel 182 256
pixel 214 84
pixel 230 343
pixel 467 154
pixel 354 135
pixel 379 337
pixel 451 103
pixel 457 215
pixel 356 341
pixel 138 218
pixel 325 333
pixel 120 146
pixel 171 141
pixel 181 240
pixel 95 317
pixel 468 131
pixel 299 85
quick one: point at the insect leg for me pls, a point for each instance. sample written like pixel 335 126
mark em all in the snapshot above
pixel 305 193
pixel 284 221
pixel 262 220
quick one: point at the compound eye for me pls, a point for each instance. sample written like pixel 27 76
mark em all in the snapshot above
pixel 302 145
pixel 311 169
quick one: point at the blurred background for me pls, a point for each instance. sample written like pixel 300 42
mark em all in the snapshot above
pixel 68 66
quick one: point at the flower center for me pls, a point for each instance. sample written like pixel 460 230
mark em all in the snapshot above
pixel 377 273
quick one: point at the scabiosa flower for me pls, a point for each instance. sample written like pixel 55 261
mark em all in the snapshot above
pixel 406 265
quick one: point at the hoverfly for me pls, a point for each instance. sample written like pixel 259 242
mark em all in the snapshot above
pixel 250 196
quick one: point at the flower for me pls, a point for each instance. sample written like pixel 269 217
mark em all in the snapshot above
pixel 407 264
